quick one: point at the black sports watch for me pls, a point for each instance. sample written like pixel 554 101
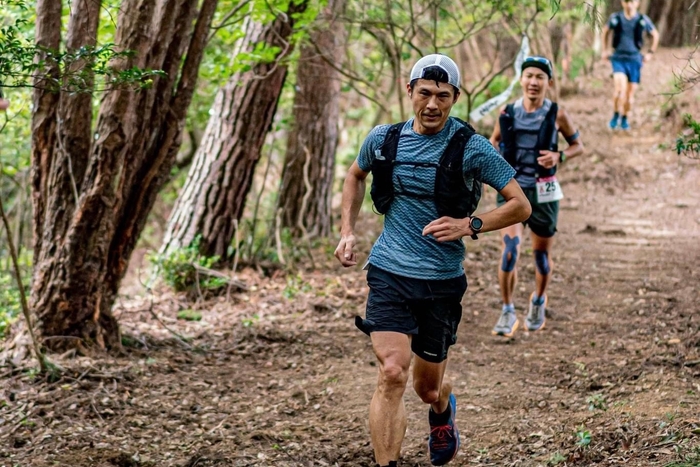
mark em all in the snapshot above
pixel 476 225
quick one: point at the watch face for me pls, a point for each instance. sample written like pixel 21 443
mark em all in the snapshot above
pixel 476 223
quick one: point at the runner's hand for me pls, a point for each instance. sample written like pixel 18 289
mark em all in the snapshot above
pixel 605 55
pixel 548 159
pixel 648 57
pixel 344 252
pixel 447 229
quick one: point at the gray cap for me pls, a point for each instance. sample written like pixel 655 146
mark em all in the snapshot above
pixel 439 60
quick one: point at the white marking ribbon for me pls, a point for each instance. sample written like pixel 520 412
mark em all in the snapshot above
pixel 495 102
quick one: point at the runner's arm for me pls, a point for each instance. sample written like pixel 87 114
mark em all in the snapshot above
pixel 493 170
pixel 605 42
pixel 549 159
pixel 570 133
pixel 495 138
pixel 654 33
pixel 353 194
pixel 516 209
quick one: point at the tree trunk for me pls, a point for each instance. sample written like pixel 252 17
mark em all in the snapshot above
pixel 92 194
pixel 213 198
pixel 676 20
pixel 308 174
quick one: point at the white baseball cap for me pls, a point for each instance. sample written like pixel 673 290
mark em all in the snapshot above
pixel 437 60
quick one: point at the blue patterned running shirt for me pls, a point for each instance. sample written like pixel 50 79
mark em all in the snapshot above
pixel 401 247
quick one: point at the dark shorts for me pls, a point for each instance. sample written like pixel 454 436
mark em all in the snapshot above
pixel 427 310
pixel 543 220
pixel 631 68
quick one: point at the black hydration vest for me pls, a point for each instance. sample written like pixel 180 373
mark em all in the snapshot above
pixel 638 30
pixel 545 136
pixel 455 195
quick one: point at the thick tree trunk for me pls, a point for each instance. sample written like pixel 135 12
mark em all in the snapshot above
pixel 213 198
pixel 45 105
pixel 676 20
pixel 308 174
pixel 84 242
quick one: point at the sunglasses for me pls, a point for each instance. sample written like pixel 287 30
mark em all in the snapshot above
pixel 538 60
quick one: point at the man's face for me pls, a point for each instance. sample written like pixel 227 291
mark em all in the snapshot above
pixel 534 82
pixel 630 6
pixel 432 103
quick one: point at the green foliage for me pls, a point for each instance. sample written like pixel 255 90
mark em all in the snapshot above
pixel 689 457
pixel 583 437
pixel 10 304
pixel 689 142
pixel 77 69
pixel 189 315
pixel 556 459
pixel 179 268
pixel 295 285
pixel 219 63
pixel 251 321
pixel 596 402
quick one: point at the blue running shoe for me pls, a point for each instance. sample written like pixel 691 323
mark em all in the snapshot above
pixel 443 443
pixel 613 122
pixel 624 124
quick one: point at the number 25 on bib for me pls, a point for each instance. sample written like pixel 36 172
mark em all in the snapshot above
pixel 548 190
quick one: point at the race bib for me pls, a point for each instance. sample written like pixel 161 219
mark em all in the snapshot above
pixel 548 190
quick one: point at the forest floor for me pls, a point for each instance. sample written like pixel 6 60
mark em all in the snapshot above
pixel 279 376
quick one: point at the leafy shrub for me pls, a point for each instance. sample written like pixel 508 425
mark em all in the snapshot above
pixel 689 142
pixel 179 268
pixel 10 304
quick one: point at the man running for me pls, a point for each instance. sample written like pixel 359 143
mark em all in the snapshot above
pixel 427 175
pixel 527 135
pixel 627 28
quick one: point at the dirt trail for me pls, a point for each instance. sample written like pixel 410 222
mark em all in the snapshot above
pixel 279 376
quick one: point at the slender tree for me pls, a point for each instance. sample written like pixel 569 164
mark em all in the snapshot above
pixel 213 198
pixel 309 164
pixel 95 183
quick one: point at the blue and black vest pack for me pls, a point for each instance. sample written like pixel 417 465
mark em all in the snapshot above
pixel 545 137
pixel 455 195
pixel 638 30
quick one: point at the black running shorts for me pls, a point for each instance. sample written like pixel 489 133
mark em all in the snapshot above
pixel 543 220
pixel 427 310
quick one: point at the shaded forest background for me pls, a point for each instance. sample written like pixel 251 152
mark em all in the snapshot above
pixel 178 138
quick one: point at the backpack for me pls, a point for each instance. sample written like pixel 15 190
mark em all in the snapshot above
pixel 545 135
pixel 639 28
pixel 454 195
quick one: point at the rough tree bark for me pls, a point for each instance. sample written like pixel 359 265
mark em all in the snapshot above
pixel 309 164
pixel 677 20
pixel 213 198
pixel 94 185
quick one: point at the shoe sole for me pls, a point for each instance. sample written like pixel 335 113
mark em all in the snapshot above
pixel 545 318
pixel 512 331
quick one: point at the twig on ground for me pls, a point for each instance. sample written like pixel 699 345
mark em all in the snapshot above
pixel 228 279
pixel 178 336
